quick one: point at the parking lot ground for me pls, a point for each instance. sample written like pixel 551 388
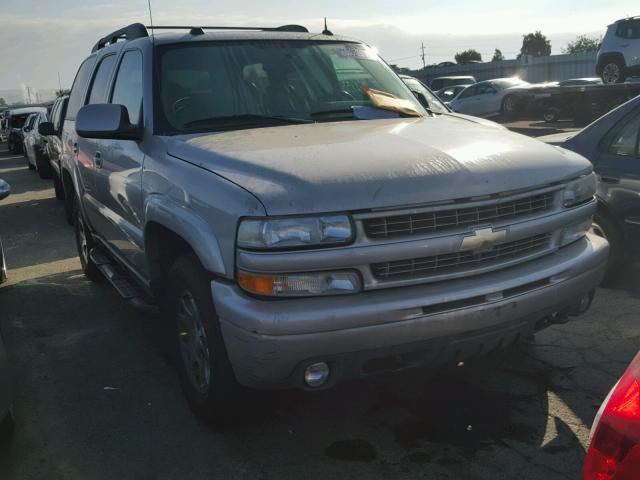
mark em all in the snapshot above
pixel 96 396
pixel 538 128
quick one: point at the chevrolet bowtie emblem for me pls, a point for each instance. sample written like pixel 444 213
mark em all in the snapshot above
pixel 483 239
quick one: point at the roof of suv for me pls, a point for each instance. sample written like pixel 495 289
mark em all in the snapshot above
pixel 222 35
pixel 162 35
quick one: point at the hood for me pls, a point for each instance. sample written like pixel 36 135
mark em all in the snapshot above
pixel 557 138
pixel 371 164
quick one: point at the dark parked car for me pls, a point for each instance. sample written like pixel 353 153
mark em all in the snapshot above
pixel 611 144
pixel 6 417
pixel 15 121
pixel 52 131
pixel 441 82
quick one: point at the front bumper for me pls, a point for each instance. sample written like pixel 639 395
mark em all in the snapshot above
pixel 270 342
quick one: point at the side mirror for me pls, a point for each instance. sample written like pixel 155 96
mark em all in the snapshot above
pixel 5 189
pixel 46 129
pixel 106 121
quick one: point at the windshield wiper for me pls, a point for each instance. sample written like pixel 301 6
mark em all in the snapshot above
pixel 251 119
pixel 331 112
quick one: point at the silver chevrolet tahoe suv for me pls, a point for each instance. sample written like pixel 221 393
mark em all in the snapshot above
pixel 300 218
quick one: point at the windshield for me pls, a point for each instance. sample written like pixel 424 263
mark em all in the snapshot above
pixel 432 102
pixel 17 121
pixel 202 84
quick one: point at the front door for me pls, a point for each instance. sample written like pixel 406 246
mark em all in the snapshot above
pixel 119 168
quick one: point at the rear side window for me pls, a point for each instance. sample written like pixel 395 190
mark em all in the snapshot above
pixel 57 115
pixel 127 89
pixel 468 92
pixel 98 92
pixel 625 141
pixel 629 29
pixel 79 85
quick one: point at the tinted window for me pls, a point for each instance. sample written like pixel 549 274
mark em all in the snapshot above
pixel 629 29
pixel 202 83
pixel 625 142
pixel 98 93
pixel 483 88
pixel 59 116
pixel 127 89
pixel 76 100
pixel 468 92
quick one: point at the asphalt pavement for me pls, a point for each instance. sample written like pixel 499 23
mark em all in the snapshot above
pixel 97 397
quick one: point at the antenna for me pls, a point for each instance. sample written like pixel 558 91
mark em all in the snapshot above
pixel 59 81
pixel 326 31
pixel 151 20
pixel 424 65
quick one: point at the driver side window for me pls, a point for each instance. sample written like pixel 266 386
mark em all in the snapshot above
pixel 625 141
pixel 469 92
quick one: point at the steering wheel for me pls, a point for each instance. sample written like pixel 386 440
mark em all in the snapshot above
pixel 344 95
pixel 181 104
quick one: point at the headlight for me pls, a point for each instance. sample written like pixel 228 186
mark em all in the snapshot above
pixel 580 190
pixel 267 233
pixel 574 232
pixel 300 284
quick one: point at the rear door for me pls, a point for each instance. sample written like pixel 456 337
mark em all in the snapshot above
pixel 69 138
pixel 90 150
pixel 119 170
pixel 618 170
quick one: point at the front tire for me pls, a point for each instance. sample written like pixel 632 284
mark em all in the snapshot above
pixel 509 107
pixel 84 243
pixel 58 187
pixel 613 71
pixel 42 165
pixel 205 372
pixel 550 116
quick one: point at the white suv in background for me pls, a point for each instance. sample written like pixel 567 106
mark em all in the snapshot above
pixel 619 54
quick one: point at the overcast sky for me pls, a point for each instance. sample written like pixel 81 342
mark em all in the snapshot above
pixel 39 39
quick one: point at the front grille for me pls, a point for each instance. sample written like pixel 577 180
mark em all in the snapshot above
pixel 460 261
pixel 451 219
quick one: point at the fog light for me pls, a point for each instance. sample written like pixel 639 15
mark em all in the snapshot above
pixel 316 374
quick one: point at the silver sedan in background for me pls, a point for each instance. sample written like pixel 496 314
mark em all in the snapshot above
pixel 501 96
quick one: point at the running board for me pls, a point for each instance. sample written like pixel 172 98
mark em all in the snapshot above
pixel 125 288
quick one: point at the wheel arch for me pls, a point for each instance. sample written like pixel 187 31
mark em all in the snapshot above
pixel 604 58
pixel 171 231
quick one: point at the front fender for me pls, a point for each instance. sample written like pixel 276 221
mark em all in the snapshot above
pixel 188 225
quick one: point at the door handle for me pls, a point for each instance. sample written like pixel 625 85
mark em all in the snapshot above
pixel 609 180
pixel 97 159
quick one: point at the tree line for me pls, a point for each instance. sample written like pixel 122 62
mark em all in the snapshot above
pixel 535 44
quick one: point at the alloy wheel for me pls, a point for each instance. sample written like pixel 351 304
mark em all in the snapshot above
pixel 193 342
pixel 611 73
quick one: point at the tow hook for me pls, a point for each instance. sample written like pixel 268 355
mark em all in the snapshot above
pixel 580 307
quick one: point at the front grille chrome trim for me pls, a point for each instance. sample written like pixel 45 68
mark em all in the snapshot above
pixel 449 219
pixel 462 261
